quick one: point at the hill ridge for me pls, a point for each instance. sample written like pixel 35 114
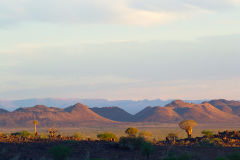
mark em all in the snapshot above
pixel 213 111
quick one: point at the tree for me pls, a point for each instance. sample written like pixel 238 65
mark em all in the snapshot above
pixel 52 132
pixel 35 122
pixel 188 125
pixel 172 136
pixel 145 134
pixel 132 132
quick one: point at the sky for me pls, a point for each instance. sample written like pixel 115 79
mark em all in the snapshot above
pixel 120 49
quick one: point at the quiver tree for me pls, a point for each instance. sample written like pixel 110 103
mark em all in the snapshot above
pixel 188 125
pixel 35 122
pixel 132 132
pixel 52 132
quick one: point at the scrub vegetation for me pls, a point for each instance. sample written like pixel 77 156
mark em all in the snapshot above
pixel 135 144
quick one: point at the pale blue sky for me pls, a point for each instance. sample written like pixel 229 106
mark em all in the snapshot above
pixel 124 49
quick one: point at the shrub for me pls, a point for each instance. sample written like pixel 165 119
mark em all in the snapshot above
pixel 107 136
pixel 211 142
pixel 22 134
pixel 131 143
pixel 145 134
pixel 234 156
pixel 44 136
pixel 172 136
pixel 207 133
pixel 171 156
pixel 146 149
pixel 131 132
pixel 60 152
pixel 78 136
pixel 70 142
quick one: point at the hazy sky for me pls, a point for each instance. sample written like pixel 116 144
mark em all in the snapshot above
pixel 120 49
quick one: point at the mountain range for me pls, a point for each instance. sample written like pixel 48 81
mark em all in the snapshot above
pixel 130 106
pixel 72 116
pixel 214 111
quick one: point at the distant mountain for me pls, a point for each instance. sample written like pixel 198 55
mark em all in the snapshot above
pixel 114 113
pixel 202 113
pixel 158 114
pixel 3 111
pixel 227 106
pixel 130 106
pixel 73 116
pixel 180 110
pixel 214 111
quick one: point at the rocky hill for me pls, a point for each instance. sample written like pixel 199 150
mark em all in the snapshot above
pixel 215 111
pixel 157 114
pixel 179 110
pixel 73 116
pixel 227 106
pixel 3 111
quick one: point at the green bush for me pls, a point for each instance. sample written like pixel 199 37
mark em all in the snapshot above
pixel 131 143
pixel 78 136
pixel 70 142
pixel 60 152
pixel 171 156
pixel 211 142
pixel 146 149
pixel 207 133
pixel 107 136
pixel 23 134
pixel 234 156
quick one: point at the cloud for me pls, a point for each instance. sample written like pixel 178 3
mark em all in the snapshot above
pixel 11 82
pixel 227 88
pixel 206 57
pixel 139 12
pixel 206 67
pixel 180 5
pixel 185 89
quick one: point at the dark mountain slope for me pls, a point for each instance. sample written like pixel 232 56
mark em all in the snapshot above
pixel 114 113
